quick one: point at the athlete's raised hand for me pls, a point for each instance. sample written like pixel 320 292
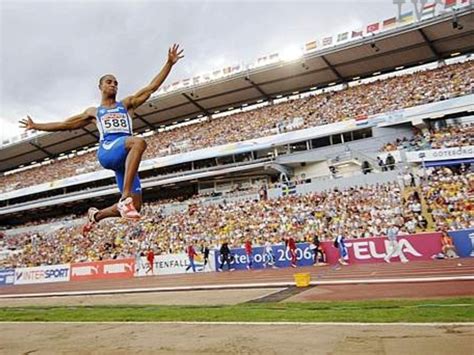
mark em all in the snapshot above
pixel 27 123
pixel 174 54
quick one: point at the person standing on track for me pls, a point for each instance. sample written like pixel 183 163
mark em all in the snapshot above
pixel 118 149
pixel 249 253
pixel 225 256
pixel 291 247
pixel 268 255
pixel 205 253
pixel 394 248
pixel 191 254
pixel 340 244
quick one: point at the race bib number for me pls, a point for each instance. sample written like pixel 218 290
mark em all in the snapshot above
pixel 116 123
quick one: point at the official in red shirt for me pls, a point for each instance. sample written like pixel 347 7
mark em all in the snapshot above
pixel 248 251
pixel 150 256
pixel 191 254
pixel 291 246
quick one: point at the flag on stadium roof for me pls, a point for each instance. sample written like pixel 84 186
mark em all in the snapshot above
pixel 357 33
pixel 407 17
pixel 373 27
pixel 196 79
pixel 327 41
pixel 449 3
pixel 428 10
pixel 390 23
pixel 186 82
pixel 342 36
pixel 236 68
pixel 274 56
pixel 310 46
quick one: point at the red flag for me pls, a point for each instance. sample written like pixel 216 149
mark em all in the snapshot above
pixel 390 22
pixel 449 3
pixel 373 27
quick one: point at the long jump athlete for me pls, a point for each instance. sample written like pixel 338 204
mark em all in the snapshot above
pixel 118 150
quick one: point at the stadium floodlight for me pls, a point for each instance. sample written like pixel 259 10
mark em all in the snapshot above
pixel 292 53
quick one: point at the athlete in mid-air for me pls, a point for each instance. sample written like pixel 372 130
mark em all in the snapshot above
pixel 118 150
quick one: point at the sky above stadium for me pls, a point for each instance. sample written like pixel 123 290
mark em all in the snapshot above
pixel 53 52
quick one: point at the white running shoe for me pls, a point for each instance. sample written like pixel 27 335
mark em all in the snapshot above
pixel 90 221
pixel 127 209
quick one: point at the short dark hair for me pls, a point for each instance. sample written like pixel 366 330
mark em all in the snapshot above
pixel 102 78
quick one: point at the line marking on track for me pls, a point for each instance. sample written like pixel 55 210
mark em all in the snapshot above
pixel 352 324
pixel 240 286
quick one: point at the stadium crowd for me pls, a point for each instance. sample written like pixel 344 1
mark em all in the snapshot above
pixel 355 213
pixel 446 137
pixel 450 197
pixel 371 98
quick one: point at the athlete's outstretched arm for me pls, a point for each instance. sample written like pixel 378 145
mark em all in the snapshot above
pixel 132 102
pixel 74 122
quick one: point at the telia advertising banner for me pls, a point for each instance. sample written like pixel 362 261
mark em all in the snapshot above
pixel 373 250
pixel 360 251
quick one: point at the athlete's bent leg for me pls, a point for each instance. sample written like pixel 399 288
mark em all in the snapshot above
pixel 136 147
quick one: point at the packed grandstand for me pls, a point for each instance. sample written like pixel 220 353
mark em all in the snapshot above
pixel 349 159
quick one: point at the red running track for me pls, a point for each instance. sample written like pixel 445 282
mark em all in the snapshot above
pixel 364 272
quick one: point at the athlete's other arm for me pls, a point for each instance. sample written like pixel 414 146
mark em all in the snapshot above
pixel 134 101
pixel 74 122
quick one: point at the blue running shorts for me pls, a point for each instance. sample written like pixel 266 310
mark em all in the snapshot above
pixel 112 156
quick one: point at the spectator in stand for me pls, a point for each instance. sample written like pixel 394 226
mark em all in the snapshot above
pixel 365 167
pixel 390 161
pixel 381 164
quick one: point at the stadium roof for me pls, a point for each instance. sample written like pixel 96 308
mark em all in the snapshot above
pixel 418 43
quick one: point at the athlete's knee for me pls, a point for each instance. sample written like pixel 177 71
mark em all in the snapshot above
pixel 141 144
pixel 136 143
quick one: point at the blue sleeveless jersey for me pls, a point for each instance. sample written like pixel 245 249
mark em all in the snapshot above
pixel 113 122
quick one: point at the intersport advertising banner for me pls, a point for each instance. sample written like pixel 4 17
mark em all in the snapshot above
pixel 360 251
pixel 106 269
pixel 42 274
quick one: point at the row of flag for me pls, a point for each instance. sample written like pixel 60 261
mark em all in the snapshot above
pixel 428 10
